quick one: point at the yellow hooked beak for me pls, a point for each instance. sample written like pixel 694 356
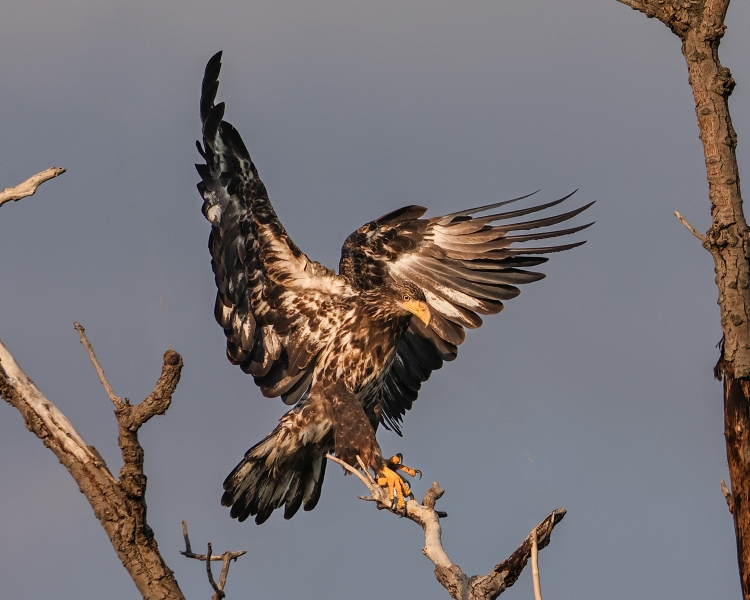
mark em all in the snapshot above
pixel 418 309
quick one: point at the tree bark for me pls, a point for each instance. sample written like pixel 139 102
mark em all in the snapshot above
pixel 700 26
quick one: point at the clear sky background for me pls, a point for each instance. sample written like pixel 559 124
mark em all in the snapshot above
pixel 592 391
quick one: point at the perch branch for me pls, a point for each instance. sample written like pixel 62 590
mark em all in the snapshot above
pixel 225 559
pixel 119 506
pixel 690 228
pixel 448 574
pixel 29 187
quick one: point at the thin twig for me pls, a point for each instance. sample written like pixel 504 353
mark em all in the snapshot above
pixel 351 469
pixel 690 228
pixel 29 187
pixel 535 566
pixel 219 592
pixel 225 569
pixel 365 470
pixel 99 371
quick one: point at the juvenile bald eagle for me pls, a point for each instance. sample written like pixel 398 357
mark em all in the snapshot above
pixel 349 351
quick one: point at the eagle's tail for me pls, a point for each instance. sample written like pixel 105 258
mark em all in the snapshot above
pixel 285 469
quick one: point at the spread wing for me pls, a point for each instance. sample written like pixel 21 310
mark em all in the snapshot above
pixel 467 265
pixel 270 295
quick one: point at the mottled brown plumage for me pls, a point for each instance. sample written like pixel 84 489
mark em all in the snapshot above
pixel 344 349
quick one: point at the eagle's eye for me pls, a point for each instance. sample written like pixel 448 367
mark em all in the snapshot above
pixel 406 298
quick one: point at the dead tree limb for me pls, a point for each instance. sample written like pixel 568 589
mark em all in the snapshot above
pixel 29 187
pixel 459 585
pixel 700 26
pixel 225 559
pixel 119 505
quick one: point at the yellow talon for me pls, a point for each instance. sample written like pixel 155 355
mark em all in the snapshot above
pixel 396 462
pixel 397 486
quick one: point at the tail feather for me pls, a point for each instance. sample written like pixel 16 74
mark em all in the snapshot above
pixel 312 482
pixel 284 469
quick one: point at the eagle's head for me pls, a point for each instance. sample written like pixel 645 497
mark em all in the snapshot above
pixel 409 297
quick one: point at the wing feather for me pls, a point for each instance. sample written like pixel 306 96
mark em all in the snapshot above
pixel 467 265
pixel 268 290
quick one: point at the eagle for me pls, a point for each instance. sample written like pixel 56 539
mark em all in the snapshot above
pixel 348 350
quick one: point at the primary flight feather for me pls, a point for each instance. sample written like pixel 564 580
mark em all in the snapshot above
pixel 348 350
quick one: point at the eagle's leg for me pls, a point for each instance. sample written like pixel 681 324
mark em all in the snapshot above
pixel 388 477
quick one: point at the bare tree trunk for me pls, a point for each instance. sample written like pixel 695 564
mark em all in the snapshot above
pixel 700 26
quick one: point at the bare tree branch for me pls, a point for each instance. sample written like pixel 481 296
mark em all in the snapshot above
pixel 535 567
pixel 225 559
pixel 97 367
pixel 29 187
pixel 218 592
pixel 119 505
pixel 450 575
pixel 689 227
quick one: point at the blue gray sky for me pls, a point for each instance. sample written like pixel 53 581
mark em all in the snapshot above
pixel 592 391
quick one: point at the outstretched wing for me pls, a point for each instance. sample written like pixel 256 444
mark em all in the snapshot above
pixel 467 265
pixel 270 293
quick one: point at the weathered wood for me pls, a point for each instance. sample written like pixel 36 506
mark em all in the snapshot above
pixel 29 187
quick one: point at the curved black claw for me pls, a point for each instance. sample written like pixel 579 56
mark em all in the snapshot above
pixel 418 472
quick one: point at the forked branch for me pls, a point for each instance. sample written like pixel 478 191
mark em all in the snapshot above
pixel 451 577
pixel 119 505
pixel 225 559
